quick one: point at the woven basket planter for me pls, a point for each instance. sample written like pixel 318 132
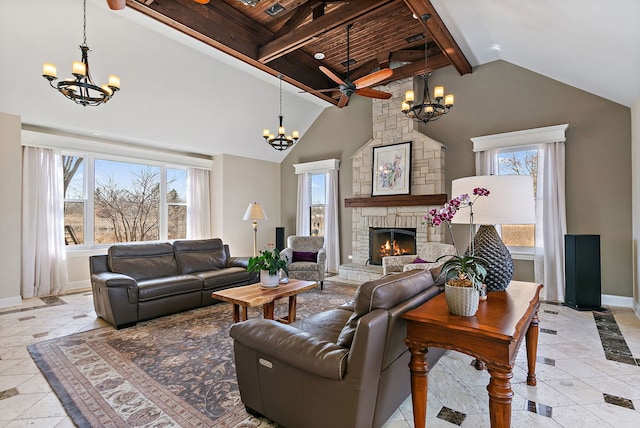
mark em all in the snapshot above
pixel 462 301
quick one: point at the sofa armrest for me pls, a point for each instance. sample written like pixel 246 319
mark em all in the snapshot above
pixel 112 279
pixel 242 262
pixel 292 346
pixel 423 266
pixel 395 263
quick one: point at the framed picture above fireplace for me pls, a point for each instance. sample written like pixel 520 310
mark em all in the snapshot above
pixel 392 169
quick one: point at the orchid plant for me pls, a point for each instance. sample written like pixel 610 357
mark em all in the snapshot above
pixel 466 270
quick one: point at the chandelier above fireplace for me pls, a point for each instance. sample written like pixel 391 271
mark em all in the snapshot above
pixel 427 109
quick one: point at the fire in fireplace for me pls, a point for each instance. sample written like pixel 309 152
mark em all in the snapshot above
pixel 390 242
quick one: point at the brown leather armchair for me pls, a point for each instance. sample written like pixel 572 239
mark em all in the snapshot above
pixel 347 367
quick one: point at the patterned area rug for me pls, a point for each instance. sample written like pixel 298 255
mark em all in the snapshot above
pixel 172 371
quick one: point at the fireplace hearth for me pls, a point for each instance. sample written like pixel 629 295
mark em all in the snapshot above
pixel 390 242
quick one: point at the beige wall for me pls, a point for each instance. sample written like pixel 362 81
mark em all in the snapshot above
pixel 10 208
pixel 336 134
pixel 238 181
pixel 501 97
pixel 635 156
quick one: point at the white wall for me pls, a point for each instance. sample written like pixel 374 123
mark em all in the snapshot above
pixel 176 92
pixel 635 183
pixel 245 181
pixel 10 209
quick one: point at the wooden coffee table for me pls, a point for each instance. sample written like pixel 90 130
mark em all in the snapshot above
pixel 251 296
pixel 493 336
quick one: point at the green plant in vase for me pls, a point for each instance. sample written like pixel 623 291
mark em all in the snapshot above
pixel 461 271
pixel 269 263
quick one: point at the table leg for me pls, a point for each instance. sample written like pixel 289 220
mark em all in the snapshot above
pixel 268 309
pixel 236 313
pixel 500 395
pixel 244 313
pixel 532 349
pixel 292 309
pixel 419 381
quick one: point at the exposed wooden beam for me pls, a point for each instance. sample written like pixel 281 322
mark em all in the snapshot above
pixel 440 34
pixel 416 68
pixel 305 34
pixel 297 18
pixel 407 55
pixel 298 68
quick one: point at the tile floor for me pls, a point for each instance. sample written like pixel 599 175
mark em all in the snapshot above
pixel 587 371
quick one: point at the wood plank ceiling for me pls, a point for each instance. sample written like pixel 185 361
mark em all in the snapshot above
pixel 384 34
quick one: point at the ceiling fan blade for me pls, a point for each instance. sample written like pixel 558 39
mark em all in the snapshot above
pixel 372 93
pixel 344 99
pixel 373 78
pixel 331 75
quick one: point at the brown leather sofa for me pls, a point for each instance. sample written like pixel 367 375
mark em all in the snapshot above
pixel 347 367
pixel 137 282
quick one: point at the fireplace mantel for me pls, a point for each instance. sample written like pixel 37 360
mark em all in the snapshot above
pixel 396 201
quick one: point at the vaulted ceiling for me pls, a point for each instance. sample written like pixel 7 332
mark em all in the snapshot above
pixel 384 34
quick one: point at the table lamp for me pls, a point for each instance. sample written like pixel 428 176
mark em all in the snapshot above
pixel 510 201
pixel 254 212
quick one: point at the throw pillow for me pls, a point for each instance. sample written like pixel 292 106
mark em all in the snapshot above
pixel 305 256
pixel 419 260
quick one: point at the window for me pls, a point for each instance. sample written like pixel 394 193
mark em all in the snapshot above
pixel 518 161
pixel 318 204
pixel 109 200
pixel 74 199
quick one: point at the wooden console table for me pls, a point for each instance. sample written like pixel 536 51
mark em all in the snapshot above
pixel 493 336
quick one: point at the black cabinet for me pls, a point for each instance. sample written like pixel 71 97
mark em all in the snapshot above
pixel 582 272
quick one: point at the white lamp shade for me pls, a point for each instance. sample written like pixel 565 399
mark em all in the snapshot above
pixel 510 201
pixel 254 212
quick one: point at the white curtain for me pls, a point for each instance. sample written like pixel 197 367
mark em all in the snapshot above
pixel 332 232
pixel 44 264
pixel 551 224
pixel 303 219
pixel 198 204
pixel 486 162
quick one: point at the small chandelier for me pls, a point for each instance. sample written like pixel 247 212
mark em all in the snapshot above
pixel 281 141
pixel 427 110
pixel 81 89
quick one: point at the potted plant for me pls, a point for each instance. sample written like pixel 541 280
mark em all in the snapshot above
pixel 268 263
pixel 464 273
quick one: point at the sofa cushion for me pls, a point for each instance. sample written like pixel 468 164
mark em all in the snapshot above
pixel 383 293
pixel 200 255
pixel 308 266
pixel 219 278
pixel 143 261
pixel 325 325
pixel 167 286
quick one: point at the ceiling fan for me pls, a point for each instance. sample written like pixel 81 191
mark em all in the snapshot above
pixel 359 86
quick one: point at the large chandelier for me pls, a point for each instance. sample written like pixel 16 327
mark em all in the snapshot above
pixel 427 109
pixel 81 89
pixel 281 141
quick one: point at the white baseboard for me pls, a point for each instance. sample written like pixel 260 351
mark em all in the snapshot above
pixel 78 285
pixel 6 302
pixel 620 301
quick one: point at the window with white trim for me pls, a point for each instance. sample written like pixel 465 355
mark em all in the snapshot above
pixel 109 199
pixel 317 203
pixel 518 161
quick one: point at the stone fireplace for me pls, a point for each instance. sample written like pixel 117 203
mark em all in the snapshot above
pixel 390 126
